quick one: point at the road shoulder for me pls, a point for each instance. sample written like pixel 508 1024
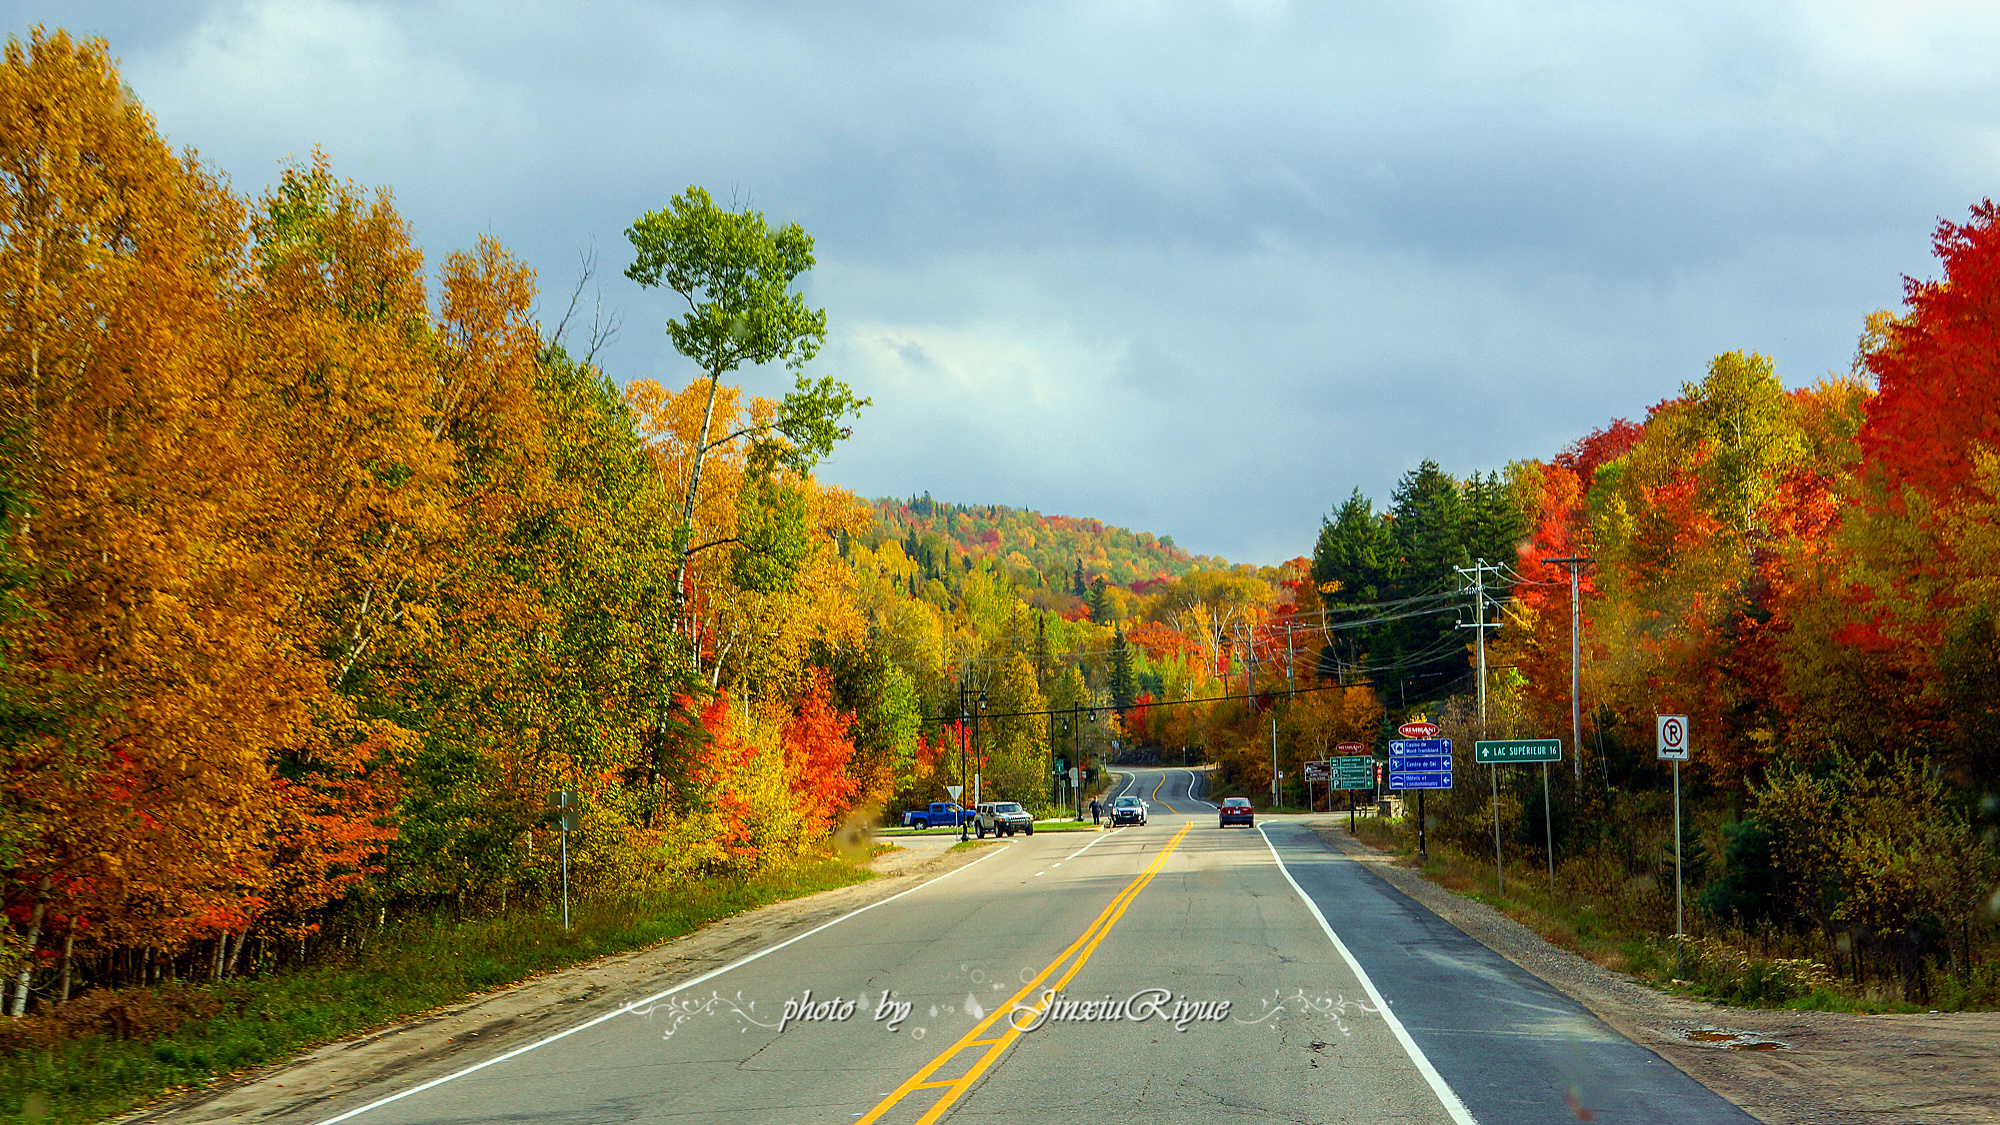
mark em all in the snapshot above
pixel 325 1080
pixel 1833 1068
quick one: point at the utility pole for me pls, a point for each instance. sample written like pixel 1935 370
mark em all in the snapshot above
pixel 960 813
pixel 1575 565
pixel 1250 667
pixel 1478 573
pixel 1291 667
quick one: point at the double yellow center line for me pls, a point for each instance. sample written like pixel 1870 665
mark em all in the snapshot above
pixel 996 1043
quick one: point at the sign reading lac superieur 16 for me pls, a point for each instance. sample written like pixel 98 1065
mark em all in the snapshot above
pixel 1502 752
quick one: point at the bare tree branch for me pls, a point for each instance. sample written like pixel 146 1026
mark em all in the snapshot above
pixel 603 326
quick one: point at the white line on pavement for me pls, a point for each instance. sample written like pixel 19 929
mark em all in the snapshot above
pixel 1452 1105
pixel 656 997
pixel 1191 795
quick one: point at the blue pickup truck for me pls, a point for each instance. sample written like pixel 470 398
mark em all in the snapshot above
pixel 940 813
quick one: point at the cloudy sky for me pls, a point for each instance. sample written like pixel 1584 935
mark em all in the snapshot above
pixel 1198 269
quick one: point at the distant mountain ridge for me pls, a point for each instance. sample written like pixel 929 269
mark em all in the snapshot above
pixel 1022 540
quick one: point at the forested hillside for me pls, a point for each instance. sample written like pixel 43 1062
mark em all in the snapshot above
pixel 1055 560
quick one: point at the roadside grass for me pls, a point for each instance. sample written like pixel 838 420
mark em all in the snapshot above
pixel 410 968
pixel 1702 968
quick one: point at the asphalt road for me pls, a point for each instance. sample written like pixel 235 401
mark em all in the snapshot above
pixel 1175 972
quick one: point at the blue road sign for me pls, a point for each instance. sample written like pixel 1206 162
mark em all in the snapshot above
pixel 1420 763
pixel 1419 779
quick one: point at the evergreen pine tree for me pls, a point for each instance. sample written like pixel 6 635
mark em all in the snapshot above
pixel 1100 602
pixel 1124 687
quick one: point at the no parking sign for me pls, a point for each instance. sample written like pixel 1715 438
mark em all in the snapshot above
pixel 1672 740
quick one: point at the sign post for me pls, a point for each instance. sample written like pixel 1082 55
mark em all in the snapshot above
pixel 1350 773
pixel 1499 752
pixel 1420 763
pixel 1315 771
pixel 1671 741
pixel 563 801
pixel 959 812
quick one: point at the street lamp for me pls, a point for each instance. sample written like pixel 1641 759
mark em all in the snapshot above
pixel 1076 750
pixel 965 713
pixel 961 762
pixel 976 745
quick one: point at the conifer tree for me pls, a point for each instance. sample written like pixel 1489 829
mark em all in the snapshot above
pixel 1124 687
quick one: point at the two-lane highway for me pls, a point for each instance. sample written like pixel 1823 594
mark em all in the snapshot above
pixel 1172 972
pixel 1172 790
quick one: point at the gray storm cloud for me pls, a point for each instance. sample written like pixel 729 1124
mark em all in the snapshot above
pixel 1199 269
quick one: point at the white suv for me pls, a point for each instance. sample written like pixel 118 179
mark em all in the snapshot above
pixel 1003 818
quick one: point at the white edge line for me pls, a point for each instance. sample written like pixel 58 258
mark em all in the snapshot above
pixel 657 996
pixel 1452 1105
pixel 1191 795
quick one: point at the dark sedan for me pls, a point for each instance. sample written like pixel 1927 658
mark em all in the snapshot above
pixel 1128 810
pixel 1236 810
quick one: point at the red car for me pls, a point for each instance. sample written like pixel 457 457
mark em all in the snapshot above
pixel 1236 810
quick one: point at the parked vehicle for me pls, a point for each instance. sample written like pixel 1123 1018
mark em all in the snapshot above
pixel 946 813
pixel 1236 810
pixel 1002 818
pixel 1128 810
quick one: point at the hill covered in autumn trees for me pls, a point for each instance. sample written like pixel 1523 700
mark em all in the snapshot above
pixel 1055 560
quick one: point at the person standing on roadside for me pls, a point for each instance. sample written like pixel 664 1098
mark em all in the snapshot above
pixel 1096 810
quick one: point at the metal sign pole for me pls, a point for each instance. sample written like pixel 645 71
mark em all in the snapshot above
pixel 1549 827
pixel 1679 916
pixel 1499 865
pixel 565 863
pixel 1674 744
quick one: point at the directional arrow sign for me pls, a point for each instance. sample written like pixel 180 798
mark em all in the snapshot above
pixel 1420 763
pixel 1419 779
pixel 1505 752
pixel 1353 773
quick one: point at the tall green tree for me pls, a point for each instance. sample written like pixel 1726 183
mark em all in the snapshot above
pixel 1124 686
pixel 1355 552
pixel 1494 523
pixel 736 274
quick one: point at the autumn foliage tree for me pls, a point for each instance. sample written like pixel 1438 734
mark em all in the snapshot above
pixel 324 567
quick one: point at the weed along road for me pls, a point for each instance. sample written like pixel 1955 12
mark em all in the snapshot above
pixel 1172 972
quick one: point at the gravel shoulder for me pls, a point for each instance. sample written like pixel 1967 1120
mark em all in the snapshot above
pixel 1829 1068
pixel 442 1041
